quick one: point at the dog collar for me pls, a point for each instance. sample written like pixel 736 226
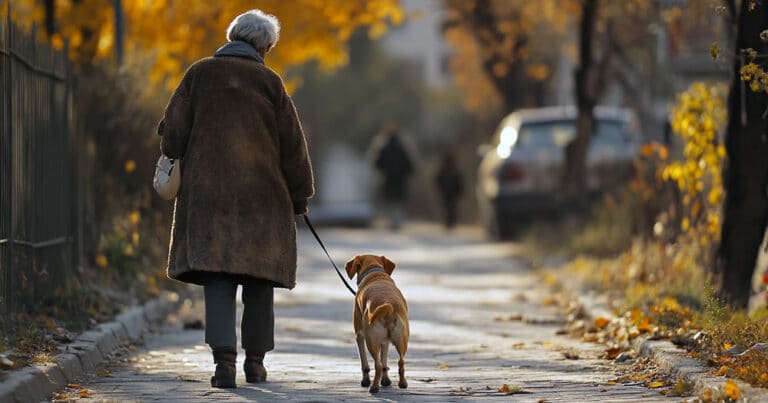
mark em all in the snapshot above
pixel 369 271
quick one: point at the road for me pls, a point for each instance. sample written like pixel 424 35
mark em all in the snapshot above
pixel 457 285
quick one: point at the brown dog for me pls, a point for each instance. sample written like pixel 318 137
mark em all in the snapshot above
pixel 381 317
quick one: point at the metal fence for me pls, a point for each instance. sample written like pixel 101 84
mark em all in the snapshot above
pixel 39 228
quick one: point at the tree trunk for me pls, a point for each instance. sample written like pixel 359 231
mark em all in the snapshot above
pixel 745 212
pixel 575 169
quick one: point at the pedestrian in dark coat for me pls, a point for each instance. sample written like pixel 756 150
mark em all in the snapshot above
pixel 393 162
pixel 246 173
pixel 450 183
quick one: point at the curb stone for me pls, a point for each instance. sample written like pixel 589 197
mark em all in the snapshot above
pixel 666 355
pixel 87 352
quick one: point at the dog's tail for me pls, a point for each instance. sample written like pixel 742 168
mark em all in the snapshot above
pixel 381 310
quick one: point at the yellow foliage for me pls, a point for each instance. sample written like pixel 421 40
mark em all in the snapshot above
pixel 171 34
pixel 134 217
pixel 697 118
pixel 101 261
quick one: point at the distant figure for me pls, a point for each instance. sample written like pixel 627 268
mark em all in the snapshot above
pixel 391 158
pixel 451 185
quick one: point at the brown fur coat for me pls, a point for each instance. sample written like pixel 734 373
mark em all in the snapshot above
pixel 245 170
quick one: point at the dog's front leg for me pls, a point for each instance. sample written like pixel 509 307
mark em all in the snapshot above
pixel 357 320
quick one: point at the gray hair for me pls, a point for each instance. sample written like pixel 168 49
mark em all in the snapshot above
pixel 256 27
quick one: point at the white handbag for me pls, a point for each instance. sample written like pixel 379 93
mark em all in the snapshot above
pixel 167 178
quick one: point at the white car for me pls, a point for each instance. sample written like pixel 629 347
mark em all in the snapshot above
pixel 520 173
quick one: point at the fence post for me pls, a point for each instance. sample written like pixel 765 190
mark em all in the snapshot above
pixel 10 264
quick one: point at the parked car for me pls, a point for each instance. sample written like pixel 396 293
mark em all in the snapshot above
pixel 521 171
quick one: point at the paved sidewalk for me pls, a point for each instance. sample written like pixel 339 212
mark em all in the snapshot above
pixel 457 287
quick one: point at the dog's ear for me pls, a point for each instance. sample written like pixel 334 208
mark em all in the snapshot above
pixel 389 265
pixel 352 267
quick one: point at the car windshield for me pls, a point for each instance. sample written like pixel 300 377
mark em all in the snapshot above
pixel 557 134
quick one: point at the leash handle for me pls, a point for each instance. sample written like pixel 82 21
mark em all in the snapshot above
pixel 341 276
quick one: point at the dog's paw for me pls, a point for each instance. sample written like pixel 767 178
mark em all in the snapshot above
pixel 365 383
pixel 374 389
pixel 386 382
pixel 403 384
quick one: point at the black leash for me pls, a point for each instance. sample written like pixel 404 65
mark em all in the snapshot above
pixel 341 276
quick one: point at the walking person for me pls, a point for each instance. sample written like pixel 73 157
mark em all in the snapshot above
pixel 245 174
pixel 392 160
pixel 450 183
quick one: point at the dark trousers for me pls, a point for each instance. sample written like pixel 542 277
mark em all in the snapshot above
pixel 257 327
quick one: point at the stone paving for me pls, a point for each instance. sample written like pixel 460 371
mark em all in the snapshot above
pixel 457 287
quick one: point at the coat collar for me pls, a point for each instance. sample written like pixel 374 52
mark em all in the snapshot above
pixel 370 271
pixel 239 49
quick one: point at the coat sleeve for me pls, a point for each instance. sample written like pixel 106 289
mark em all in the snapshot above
pixel 176 123
pixel 294 156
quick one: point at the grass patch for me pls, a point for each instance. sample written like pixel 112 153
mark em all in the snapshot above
pixel 606 231
pixel 660 288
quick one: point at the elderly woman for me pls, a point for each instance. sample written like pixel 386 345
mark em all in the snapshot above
pixel 245 173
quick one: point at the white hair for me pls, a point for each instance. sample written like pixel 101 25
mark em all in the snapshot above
pixel 256 27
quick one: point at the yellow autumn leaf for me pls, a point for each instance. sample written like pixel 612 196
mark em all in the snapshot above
pixel 128 250
pixel 101 261
pixel 134 217
pixel 130 166
pixel 655 385
pixel 732 390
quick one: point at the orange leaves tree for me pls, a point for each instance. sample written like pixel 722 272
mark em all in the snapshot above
pixel 172 33
pixel 117 107
pixel 505 50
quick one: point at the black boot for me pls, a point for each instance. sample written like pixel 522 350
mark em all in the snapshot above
pixel 254 367
pixel 225 359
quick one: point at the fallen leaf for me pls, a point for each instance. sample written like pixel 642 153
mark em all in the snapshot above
pixel 732 390
pixel 104 373
pixel 442 366
pixel 706 396
pixel 601 322
pixel 84 394
pixel 512 389
pixel 613 352
pixel 722 370
pixel 73 386
pixel 654 385
pixel 682 387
